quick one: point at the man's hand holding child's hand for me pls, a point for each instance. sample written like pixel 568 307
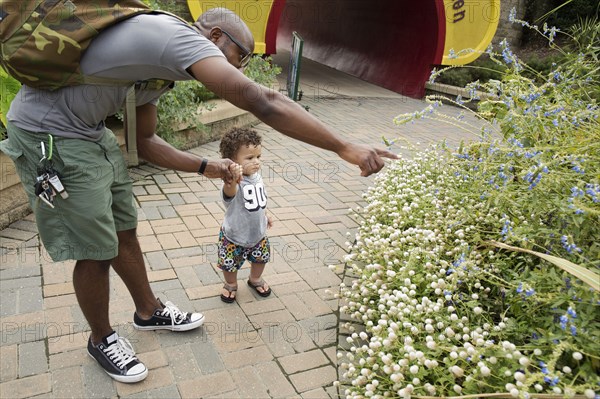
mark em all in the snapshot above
pixel 236 171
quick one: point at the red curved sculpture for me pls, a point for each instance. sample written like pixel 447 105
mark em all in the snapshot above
pixel 392 44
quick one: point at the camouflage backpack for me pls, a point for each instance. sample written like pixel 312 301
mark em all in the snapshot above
pixel 43 41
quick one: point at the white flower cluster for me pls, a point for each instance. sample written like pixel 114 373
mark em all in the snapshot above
pixel 423 292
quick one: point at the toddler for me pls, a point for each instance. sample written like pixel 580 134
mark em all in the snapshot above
pixel 243 232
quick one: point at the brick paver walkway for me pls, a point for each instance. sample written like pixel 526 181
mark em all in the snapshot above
pixel 283 346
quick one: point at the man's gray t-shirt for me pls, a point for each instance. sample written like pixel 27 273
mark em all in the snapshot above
pixel 245 221
pixel 153 46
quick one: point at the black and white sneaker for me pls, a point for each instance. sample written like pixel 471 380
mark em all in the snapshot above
pixel 117 357
pixel 169 318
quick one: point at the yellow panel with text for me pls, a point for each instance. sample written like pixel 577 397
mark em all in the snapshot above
pixel 470 24
pixel 255 14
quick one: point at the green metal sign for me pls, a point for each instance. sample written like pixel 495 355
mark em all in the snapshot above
pixel 293 78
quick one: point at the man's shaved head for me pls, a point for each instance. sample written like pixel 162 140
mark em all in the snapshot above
pixel 226 19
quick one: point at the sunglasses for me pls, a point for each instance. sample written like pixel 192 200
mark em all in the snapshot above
pixel 246 55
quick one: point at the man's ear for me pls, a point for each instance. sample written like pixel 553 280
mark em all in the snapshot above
pixel 215 34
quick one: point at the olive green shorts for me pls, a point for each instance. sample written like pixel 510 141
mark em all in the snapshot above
pixel 100 201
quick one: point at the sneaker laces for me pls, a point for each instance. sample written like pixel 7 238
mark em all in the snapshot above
pixel 176 315
pixel 121 352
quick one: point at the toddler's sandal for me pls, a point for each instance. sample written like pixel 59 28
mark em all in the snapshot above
pixel 230 289
pixel 260 284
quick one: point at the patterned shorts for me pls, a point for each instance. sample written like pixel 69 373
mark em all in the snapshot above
pixel 232 256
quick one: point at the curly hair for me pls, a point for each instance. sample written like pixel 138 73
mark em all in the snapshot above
pixel 236 138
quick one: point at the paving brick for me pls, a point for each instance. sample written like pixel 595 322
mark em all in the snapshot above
pixel 246 357
pixel 61 321
pixel 157 378
pixel 182 362
pixel 207 386
pixel 262 306
pixel 226 395
pixel 168 339
pixel 67 383
pixel 265 320
pixel 187 261
pixel 284 278
pixel 185 239
pixel 303 361
pixel 142 341
pixel 161 275
pixel 58 289
pixel 25 225
pixel 68 359
pixel 192 209
pixel 209 275
pixel 68 342
pixel 155 199
pixel 8 365
pixel 276 382
pixel 174 228
pixel 8 305
pixel 157 260
pixel 188 277
pixel 30 300
pixel 312 379
pixel 19 283
pixel 150 213
pixel 249 383
pixel 26 387
pixel 167 241
pixel 17 272
pixel 59 272
pixel 170 392
pixel 165 285
pixel 295 306
pixel 318 393
pixel 32 359
pixel 331 353
pixel 204 291
pixel 149 243
pixel 314 303
pixel 21 235
pixel 227 341
pixel 23 328
pixel 286 339
pixel 320 277
pixel 154 359
pixel 96 383
pixel 207 357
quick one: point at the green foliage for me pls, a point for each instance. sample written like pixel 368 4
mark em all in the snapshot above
pixel 177 7
pixel 262 70
pixel 8 90
pixel 179 108
pixel 482 69
pixel 570 12
pixel 468 260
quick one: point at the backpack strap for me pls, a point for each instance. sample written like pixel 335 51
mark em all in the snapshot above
pixel 130 123
pixel 131 127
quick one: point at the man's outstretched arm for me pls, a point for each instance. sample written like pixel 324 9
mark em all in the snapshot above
pixel 283 114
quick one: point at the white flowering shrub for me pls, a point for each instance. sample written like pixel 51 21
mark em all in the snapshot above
pixel 477 267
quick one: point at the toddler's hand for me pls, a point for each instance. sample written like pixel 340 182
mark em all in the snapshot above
pixel 236 172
